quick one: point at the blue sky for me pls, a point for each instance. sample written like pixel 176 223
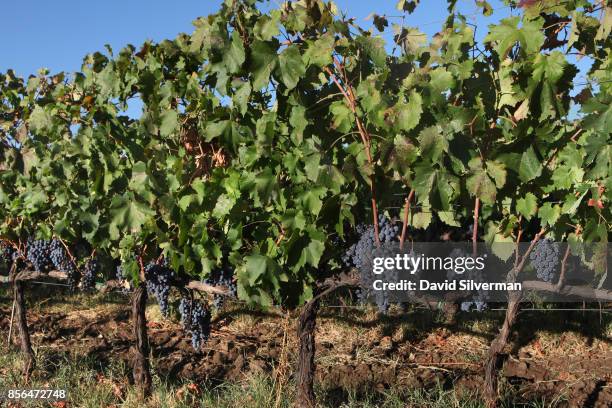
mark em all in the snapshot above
pixel 58 34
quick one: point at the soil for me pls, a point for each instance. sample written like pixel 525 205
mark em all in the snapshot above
pixel 370 355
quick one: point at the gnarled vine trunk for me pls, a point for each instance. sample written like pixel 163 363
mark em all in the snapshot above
pixel 306 360
pixel 498 344
pixel 140 350
pixel 22 324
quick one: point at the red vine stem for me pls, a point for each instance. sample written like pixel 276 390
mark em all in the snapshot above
pixel 363 133
pixel 72 259
pixel 406 215
pixel 518 240
pixel 143 277
pixel 519 265
pixel 475 229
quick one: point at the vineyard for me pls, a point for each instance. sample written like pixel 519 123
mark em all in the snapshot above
pixel 218 240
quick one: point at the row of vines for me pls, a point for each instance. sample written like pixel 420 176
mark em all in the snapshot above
pixel 266 137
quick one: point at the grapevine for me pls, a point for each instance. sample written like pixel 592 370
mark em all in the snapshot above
pixel 265 132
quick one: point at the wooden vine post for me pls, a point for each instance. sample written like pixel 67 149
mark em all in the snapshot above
pixel 493 361
pixel 22 323
pixel 140 349
pixel 306 358
pixel 306 367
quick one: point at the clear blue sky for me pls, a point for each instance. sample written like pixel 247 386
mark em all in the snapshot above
pixel 58 34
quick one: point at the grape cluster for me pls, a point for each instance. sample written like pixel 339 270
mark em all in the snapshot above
pixel 38 253
pixel 223 276
pixel 57 254
pixel 90 270
pixel 477 305
pixel 158 283
pixel 477 301
pixel 58 257
pixel 357 255
pixel 185 312
pixel 545 259
pixel 120 275
pixel 8 253
pixel 196 319
pixel 360 255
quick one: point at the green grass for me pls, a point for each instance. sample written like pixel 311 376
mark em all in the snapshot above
pixel 93 383
pixel 90 383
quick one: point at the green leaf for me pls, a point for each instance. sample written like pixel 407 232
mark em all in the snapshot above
pixel 293 219
pixel 441 80
pixel 549 67
pixel 502 247
pixel 224 205
pixel 507 33
pixel 186 201
pixel 480 185
pixel 527 206
pixel 571 202
pixel 408 114
pixel 256 266
pixel 549 214
pixel 266 27
pixel 530 166
pixel 263 62
pixel 169 122
pixel 241 97
pixel 497 171
pixel 487 10
pixel 449 218
pixel 374 48
pixel 312 166
pixel 433 143
pixel 605 26
pixel 234 57
pixel 299 122
pixel 311 200
pixel 410 38
pixel 313 252
pixel 319 52
pixel 342 117
pixel 291 66
pixel 216 129
pixel 421 220
pixel 266 185
pixel 128 215
pixel 40 120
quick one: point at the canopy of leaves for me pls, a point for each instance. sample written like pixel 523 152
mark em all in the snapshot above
pixel 247 151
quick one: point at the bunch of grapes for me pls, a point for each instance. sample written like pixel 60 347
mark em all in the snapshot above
pixel 38 253
pixel 196 319
pixel 545 259
pixel 159 279
pixel 90 270
pixel 185 312
pixel 58 257
pixel 478 300
pixel 477 305
pixel 57 254
pixel 120 275
pixel 359 254
pixel 8 253
pixel 223 276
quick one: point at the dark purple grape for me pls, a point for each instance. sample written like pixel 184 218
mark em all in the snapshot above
pixel 159 279
pixel 90 270
pixel 545 259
